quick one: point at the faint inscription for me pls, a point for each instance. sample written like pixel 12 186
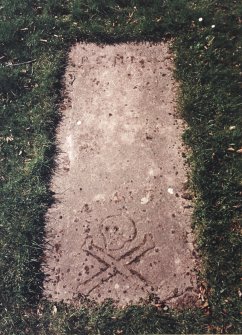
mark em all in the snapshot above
pixel 114 60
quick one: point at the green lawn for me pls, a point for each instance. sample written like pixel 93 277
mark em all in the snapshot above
pixel 34 40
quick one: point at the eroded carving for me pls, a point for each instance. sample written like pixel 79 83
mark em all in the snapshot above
pixel 117 230
pixel 113 265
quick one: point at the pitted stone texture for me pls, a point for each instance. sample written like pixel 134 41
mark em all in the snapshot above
pixel 120 228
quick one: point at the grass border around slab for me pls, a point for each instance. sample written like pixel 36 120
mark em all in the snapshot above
pixel 34 38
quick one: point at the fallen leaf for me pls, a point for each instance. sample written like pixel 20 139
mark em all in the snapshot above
pixel 170 190
pixel 186 195
pixel 9 138
pixel 239 293
pixel 205 305
pixel 54 310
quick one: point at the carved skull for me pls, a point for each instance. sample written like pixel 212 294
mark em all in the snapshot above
pixel 117 230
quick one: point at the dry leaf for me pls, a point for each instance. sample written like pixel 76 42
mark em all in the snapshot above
pixel 205 305
pixel 54 310
pixel 9 138
pixel 170 190
pixel 239 293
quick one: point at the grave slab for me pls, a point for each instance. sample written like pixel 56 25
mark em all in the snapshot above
pixel 120 224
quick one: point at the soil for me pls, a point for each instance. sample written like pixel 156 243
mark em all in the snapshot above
pixel 120 224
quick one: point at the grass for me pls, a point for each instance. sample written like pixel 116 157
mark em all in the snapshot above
pixel 34 41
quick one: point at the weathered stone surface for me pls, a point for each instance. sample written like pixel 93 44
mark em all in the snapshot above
pixel 120 227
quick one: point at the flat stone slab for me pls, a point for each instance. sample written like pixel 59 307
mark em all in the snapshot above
pixel 120 226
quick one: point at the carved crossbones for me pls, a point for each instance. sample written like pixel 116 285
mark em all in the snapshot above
pixel 116 265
